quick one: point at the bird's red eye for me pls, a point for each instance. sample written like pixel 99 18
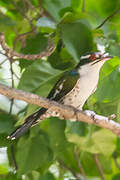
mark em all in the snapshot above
pixel 93 57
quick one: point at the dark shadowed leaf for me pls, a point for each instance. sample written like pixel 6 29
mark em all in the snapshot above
pixel 35 150
pixel 6 123
pixel 55 129
pixel 77 38
pixel 53 7
pixel 47 176
pixel 37 75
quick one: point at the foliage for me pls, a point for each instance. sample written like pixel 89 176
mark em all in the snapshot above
pixel 48 150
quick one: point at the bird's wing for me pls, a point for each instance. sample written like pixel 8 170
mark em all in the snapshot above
pixel 61 88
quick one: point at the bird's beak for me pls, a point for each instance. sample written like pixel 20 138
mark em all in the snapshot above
pixel 104 57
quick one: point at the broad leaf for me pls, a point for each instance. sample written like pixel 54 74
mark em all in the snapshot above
pixel 35 150
pixel 102 141
pixel 37 75
pixel 77 38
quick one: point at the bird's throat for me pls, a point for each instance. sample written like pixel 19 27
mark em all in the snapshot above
pixel 85 86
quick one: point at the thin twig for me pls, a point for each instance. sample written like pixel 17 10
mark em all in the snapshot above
pixel 114 13
pixel 116 163
pixel 114 155
pixel 83 6
pixel 44 12
pixel 24 15
pixel 3 61
pixel 16 76
pixel 12 78
pixel 62 164
pixel 66 112
pixel 21 36
pixel 32 7
pixel 95 156
pixel 13 157
pixel 2 53
pixel 10 53
pixel 76 153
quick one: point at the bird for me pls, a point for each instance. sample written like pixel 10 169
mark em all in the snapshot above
pixel 73 88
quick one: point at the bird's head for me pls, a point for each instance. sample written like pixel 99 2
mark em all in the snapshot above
pixel 94 58
pixel 92 63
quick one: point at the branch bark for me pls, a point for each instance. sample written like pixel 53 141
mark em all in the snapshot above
pixel 76 153
pixel 99 167
pixel 68 112
pixel 109 17
pixel 62 164
pixel 10 53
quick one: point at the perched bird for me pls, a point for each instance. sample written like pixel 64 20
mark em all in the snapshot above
pixel 73 89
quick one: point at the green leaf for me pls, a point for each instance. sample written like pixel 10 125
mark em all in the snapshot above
pixel 47 176
pixel 6 123
pixel 105 162
pixel 113 48
pixel 105 94
pixel 39 75
pixel 55 129
pixel 35 150
pixel 3 169
pixel 64 11
pixel 102 141
pixel 77 38
pixel 53 6
pixel 76 128
pixel 89 170
pixel 61 60
pixel 100 8
pixel 116 177
pixel 11 176
pixel 108 67
pixel 4 142
pixel 76 4
pixel 68 157
pixel 5 22
pixel 33 45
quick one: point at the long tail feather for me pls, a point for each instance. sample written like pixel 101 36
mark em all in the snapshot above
pixel 29 121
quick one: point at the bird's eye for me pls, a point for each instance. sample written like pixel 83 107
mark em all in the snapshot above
pixel 94 56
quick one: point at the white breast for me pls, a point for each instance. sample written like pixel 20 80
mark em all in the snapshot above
pixel 85 86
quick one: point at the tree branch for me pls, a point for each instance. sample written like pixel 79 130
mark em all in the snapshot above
pixel 83 6
pixel 10 53
pixel 114 13
pixel 76 153
pixel 32 7
pixel 68 112
pixel 13 157
pixel 62 164
pixel 12 79
pixel 95 156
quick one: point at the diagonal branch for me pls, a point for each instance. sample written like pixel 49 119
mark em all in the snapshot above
pixel 99 167
pixel 68 112
pixel 62 164
pixel 109 17
pixel 10 53
pixel 76 153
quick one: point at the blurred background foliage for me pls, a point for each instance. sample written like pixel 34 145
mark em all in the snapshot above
pixel 56 149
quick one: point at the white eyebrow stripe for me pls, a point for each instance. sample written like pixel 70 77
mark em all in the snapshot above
pixel 85 57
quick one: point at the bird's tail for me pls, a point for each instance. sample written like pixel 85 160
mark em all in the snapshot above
pixel 29 121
